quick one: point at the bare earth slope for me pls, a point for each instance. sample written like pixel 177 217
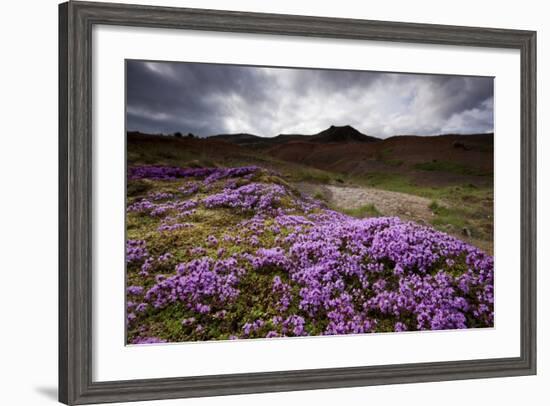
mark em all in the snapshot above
pixel 465 155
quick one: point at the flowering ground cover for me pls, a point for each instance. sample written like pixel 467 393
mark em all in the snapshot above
pixel 226 253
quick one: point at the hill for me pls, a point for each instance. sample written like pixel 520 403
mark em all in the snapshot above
pixel 434 160
pixel 239 138
pixel 345 134
pixel 467 155
pixel 333 134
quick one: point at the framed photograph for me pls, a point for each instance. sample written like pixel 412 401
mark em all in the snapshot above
pixel 257 202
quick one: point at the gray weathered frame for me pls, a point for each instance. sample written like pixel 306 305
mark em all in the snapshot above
pixel 76 20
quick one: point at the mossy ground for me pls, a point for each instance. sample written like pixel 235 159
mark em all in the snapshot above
pixel 223 224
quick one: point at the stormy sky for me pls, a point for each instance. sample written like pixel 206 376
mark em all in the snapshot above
pixel 208 99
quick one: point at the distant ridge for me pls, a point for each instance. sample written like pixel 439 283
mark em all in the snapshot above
pixel 333 134
pixel 239 138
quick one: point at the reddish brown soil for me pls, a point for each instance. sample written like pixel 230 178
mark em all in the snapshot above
pixel 396 155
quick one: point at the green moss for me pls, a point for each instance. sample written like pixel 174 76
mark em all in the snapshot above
pixel 138 187
pixel 368 210
pixel 312 175
pixel 450 167
pixel 384 156
pixel 446 215
pixel 319 196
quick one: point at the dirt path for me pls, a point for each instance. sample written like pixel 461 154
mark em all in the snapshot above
pixel 387 203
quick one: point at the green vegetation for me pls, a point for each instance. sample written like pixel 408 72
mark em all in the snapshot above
pixel 468 216
pixel 368 210
pixel 396 182
pixel 387 181
pixel 450 167
pixel 385 157
pixel 320 196
pixel 445 215
pixel 313 175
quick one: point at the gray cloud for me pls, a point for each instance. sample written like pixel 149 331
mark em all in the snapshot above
pixel 206 99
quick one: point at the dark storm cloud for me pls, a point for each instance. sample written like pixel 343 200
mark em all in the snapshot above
pixel 208 99
pixel 168 97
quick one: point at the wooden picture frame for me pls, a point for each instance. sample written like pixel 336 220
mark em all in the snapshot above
pixel 76 20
